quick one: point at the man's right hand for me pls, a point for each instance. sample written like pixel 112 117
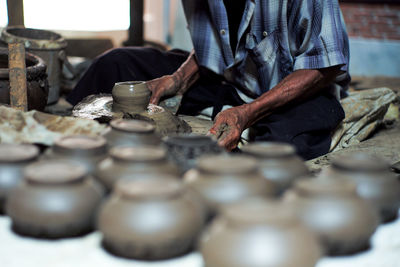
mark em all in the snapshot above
pixel 178 82
pixel 161 87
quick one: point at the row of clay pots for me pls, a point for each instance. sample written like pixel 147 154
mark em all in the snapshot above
pixel 183 150
pixel 329 207
pixel 139 150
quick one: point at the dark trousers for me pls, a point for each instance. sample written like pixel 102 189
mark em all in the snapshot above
pixel 307 125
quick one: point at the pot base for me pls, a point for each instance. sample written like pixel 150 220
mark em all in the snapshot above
pixel 162 251
pixel 389 215
pixel 346 248
pixel 65 231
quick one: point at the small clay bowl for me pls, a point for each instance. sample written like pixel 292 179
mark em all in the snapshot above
pixel 131 96
pixel 150 219
pixel 332 209
pixel 259 233
pixel 132 162
pixel 132 133
pixel 185 149
pixel 278 163
pixel 13 159
pixel 375 182
pixel 56 199
pixel 222 180
pixel 85 150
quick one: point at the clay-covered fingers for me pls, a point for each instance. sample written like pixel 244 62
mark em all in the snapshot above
pixel 225 131
pixel 161 87
pixel 156 91
pixel 230 139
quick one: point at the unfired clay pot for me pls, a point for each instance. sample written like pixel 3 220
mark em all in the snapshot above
pixel 13 159
pixel 150 219
pixel 132 133
pixel 132 96
pixel 57 199
pixel 36 80
pixel 133 163
pixel 185 149
pixel 279 162
pixel 84 150
pixel 221 180
pixel 375 182
pixel 259 233
pixel 333 210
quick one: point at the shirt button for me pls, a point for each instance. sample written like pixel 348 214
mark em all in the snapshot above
pixel 222 32
pixel 265 34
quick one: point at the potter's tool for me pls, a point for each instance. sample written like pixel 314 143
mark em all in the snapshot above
pixel 17 74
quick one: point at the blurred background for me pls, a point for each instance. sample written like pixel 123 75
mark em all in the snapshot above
pixel 93 26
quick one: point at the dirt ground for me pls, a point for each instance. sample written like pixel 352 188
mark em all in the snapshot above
pixel 384 143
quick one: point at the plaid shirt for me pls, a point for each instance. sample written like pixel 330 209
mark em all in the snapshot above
pixel 275 38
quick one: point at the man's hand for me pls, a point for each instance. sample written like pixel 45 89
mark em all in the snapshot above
pixel 176 83
pixel 161 87
pixel 229 125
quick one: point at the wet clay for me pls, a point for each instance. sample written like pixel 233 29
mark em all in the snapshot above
pixel 100 108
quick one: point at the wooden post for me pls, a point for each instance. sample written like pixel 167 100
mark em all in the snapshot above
pixel 135 32
pixel 15 10
pixel 17 76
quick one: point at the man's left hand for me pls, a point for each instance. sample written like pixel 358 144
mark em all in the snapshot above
pixel 229 125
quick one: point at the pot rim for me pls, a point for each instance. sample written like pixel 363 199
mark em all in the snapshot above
pixel 227 164
pixel 56 43
pixel 38 67
pixel 97 145
pixel 266 149
pixel 325 186
pixel 19 153
pixel 130 83
pixel 54 172
pixel 189 139
pixel 138 154
pixel 360 162
pixel 150 187
pixel 255 211
pixel 132 126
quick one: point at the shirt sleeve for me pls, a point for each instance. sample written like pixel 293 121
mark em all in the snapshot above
pixel 317 33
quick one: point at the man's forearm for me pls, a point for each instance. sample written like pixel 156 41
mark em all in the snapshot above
pixel 297 86
pixel 187 74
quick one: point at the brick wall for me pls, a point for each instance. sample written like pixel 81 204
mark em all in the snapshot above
pixel 377 21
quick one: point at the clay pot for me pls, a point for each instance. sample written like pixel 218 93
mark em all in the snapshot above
pixel 278 162
pixel 132 163
pixel 332 209
pixel 222 180
pixel 37 84
pixel 132 96
pixel 57 199
pixel 259 233
pixel 185 149
pixel 375 182
pixel 132 133
pixel 13 159
pixel 84 150
pixel 150 219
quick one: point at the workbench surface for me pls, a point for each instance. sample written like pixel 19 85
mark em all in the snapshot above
pixel 17 251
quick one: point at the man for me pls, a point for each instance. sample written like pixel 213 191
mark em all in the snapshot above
pixel 277 63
